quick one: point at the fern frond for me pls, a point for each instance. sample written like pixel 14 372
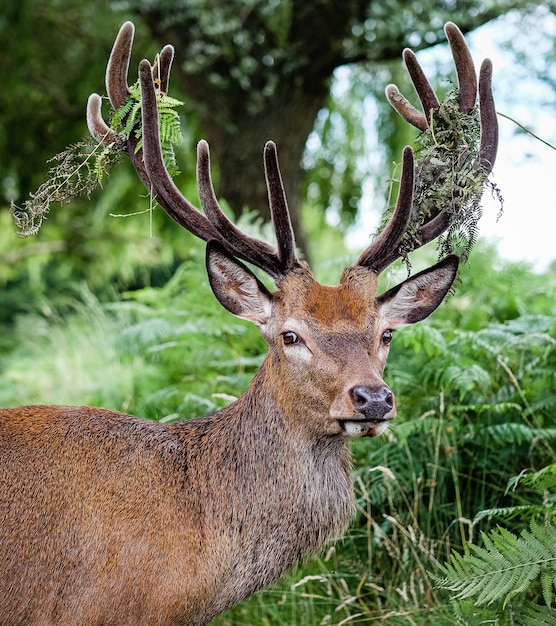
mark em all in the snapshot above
pixel 544 478
pixel 427 425
pixel 124 111
pixel 533 615
pixel 524 511
pixel 507 566
pixel 127 120
pixel 510 433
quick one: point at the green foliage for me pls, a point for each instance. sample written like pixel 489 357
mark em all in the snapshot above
pixel 80 169
pixel 161 353
pixel 448 166
pixel 506 572
pixel 510 578
pixel 76 356
pixel 127 120
pixel 82 166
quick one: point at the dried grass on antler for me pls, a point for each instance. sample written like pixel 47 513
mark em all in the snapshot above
pixel 81 167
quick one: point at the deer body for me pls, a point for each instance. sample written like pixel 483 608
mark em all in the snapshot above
pixel 172 524
pixel 136 530
pixel 110 520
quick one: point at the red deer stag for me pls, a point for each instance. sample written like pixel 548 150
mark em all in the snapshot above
pixel 111 520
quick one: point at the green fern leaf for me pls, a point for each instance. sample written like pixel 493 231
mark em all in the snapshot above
pixel 524 511
pixel 533 615
pixel 129 116
pixel 122 113
pixel 544 479
pixel 548 580
pixel 507 566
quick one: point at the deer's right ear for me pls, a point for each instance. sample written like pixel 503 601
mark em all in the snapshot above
pixel 236 287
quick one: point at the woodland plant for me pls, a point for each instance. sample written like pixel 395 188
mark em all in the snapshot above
pixel 81 167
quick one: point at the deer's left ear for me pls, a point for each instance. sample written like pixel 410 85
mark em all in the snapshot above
pixel 236 287
pixel 418 296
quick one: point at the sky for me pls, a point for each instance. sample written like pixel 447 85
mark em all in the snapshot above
pixel 525 169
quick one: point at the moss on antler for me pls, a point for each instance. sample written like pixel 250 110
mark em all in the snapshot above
pixel 450 178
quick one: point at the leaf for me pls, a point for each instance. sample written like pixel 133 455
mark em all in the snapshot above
pixel 506 567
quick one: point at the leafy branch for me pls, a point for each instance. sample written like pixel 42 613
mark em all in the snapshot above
pixel 82 166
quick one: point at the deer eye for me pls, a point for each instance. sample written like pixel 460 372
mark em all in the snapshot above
pixel 289 338
pixel 387 337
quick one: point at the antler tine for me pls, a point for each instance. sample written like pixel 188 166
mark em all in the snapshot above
pixel 467 82
pixel 116 85
pixel 421 83
pixel 162 66
pixel 161 185
pixel 384 249
pixel 241 245
pixel 465 68
pixel 117 88
pixel 118 66
pixel 98 128
pixel 407 111
pixel 489 122
pixel 278 203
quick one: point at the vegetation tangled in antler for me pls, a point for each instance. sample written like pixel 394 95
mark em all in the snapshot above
pixel 449 174
pixel 78 171
pixel 81 167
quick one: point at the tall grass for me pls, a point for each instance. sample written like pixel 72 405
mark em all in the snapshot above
pixel 476 390
pixel 74 358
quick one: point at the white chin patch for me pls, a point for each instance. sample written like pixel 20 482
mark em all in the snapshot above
pixel 371 428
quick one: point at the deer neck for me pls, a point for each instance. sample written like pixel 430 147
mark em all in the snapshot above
pixel 285 496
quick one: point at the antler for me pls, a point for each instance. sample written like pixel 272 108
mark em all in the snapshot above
pixel 213 224
pixel 149 163
pixel 386 248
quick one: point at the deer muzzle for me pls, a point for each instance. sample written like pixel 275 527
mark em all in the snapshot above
pixel 373 406
pixel 375 403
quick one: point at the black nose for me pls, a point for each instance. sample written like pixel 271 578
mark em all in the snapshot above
pixel 373 402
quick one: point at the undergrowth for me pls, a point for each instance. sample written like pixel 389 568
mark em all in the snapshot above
pixel 473 448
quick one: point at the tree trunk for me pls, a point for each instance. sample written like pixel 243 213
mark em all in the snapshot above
pixel 238 146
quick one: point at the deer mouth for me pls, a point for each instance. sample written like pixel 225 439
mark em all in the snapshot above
pixel 355 428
